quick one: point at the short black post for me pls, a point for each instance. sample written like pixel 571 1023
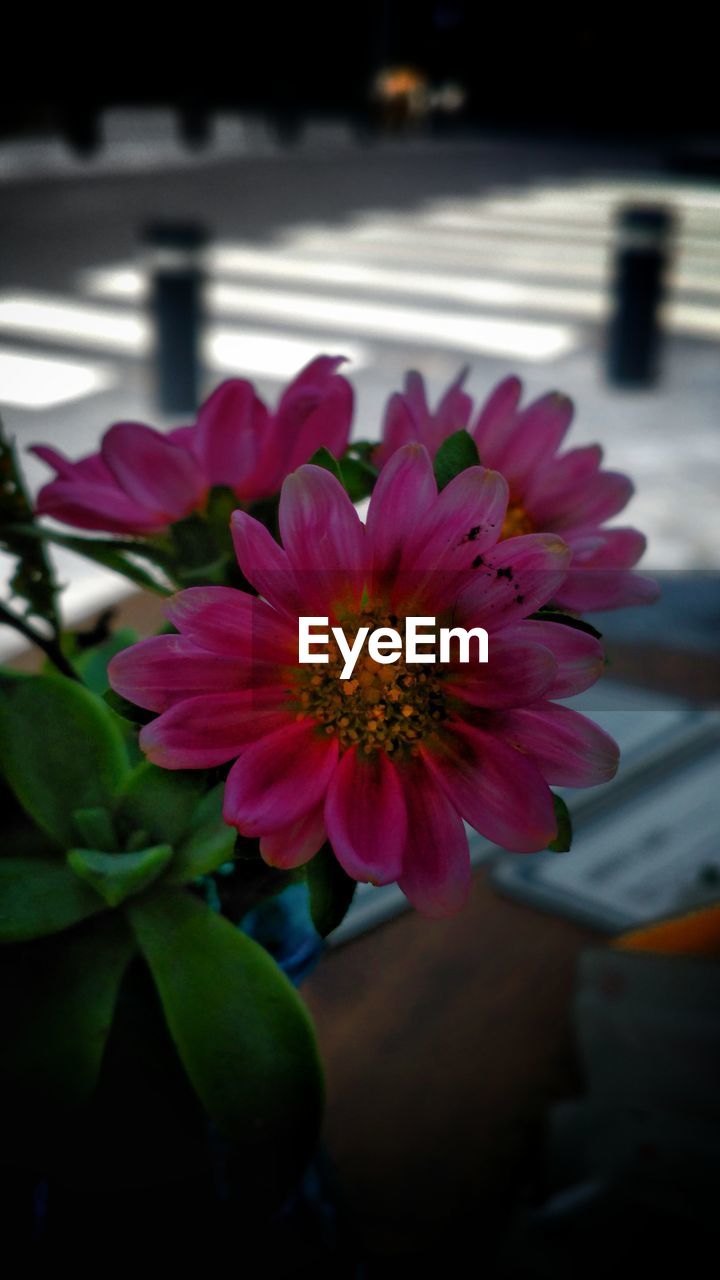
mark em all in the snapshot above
pixel 634 335
pixel 176 280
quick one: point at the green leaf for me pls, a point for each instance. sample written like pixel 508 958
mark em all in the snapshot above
pixel 242 1032
pixel 322 457
pixel 95 829
pixel 159 801
pixel 331 891
pixel 111 553
pixel 127 710
pixel 563 839
pixel 20 837
pixel 456 454
pixel 117 876
pixel 567 620
pixel 60 750
pixel 57 999
pixel 41 896
pixel 92 663
pixel 207 845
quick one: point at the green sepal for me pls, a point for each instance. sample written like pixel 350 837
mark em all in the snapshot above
pixel 563 839
pixel 117 876
pixel 242 1032
pixel 39 896
pixel 567 620
pixel 456 453
pixel 60 750
pixel 331 891
pixel 322 457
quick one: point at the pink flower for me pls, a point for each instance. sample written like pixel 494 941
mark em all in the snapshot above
pixel 388 763
pixel 564 493
pixel 143 480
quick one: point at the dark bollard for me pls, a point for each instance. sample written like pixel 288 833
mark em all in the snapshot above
pixel 644 235
pixel 176 282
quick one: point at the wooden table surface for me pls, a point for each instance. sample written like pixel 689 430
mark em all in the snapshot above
pixel 444 1043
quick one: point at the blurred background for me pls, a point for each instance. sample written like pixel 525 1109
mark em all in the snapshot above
pixel 428 186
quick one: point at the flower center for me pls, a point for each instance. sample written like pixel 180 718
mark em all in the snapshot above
pixel 382 707
pixel 517 521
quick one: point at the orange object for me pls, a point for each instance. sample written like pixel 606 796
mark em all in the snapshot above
pixel 694 934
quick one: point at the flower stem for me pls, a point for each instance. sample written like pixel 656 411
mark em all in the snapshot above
pixel 50 647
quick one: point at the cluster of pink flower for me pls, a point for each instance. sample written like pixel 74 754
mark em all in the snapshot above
pixel 388 764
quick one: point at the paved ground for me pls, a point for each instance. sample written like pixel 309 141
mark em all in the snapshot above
pixel 415 254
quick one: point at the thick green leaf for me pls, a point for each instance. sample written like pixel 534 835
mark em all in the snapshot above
pixel 159 801
pixel 563 839
pixel 208 843
pixel 331 891
pixel 95 829
pixel 242 1032
pixel 39 896
pixel 57 999
pixel 60 750
pixel 358 477
pixel 20 837
pixel 117 876
pixel 92 663
pixel 456 454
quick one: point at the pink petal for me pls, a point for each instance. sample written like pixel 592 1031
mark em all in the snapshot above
pixel 403 496
pixel 319 525
pixel 201 732
pixel 589 504
pixel 154 471
pixel 538 433
pixel 366 817
pixel 280 778
pixel 518 671
pixel 608 549
pixel 265 565
pixel 594 589
pixel 465 520
pixel 231 431
pixel 326 425
pixel 436 865
pixel 161 671
pixel 297 843
pixel 579 657
pixel 87 506
pixel 315 410
pixel 234 624
pixel 315 376
pixel 569 749
pixel 453 411
pixel 324 539
pixel 513 580
pixel 496 419
pixel 416 397
pixel 496 788
pixel 399 428
pixel 551 485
